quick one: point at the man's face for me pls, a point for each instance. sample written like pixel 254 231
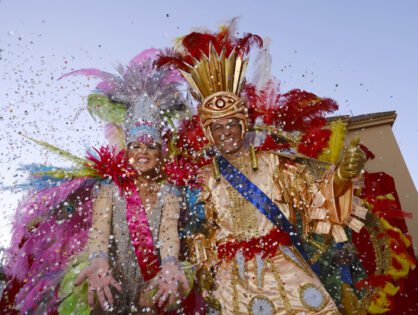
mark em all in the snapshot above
pixel 227 134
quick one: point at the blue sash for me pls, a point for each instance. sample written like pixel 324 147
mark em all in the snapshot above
pixel 260 200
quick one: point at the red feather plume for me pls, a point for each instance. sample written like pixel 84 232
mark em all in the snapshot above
pixel 270 144
pixel 171 58
pixel 111 164
pixel 294 110
pixel 195 44
pixel 313 143
pixel 190 135
pixel 243 45
pixel 304 111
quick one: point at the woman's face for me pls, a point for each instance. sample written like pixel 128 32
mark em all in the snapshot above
pixel 145 158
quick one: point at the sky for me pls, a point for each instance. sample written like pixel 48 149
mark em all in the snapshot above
pixel 363 54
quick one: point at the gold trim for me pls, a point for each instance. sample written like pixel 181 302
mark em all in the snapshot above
pixel 304 303
pixel 213 303
pixel 321 249
pixel 263 271
pixel 254 160
pixel 305 267
pixel 216 172
pixel 278 133
pixel 282 291
pixel 234 277
pixel 260 297
pixel 382 255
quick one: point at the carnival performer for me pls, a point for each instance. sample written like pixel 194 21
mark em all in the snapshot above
pixel 122 201
pixel 158 215
pixel 251 259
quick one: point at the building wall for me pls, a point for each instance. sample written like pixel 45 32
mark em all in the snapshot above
pixel 379 138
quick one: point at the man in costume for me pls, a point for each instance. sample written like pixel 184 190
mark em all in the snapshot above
pixel 250 258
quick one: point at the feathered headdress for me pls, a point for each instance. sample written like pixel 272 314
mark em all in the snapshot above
pixel 214 65
pixel 298 116
pixel 134 100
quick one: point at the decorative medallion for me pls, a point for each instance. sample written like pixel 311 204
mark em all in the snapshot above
pixel 312 297
pixel 261 305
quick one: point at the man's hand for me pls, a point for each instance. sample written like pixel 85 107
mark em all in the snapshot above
pixel 352 163
pixel 99 279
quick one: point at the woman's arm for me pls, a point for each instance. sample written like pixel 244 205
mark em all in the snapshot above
pixel 171 274
pixel 169 235
pixel 98 238
pixel 97 273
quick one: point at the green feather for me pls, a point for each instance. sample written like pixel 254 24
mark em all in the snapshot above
pixel 100 106
pixel 74 297
pixel 60 173
pixel 61 152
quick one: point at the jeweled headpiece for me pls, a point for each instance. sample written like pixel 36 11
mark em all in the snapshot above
pixel 134 100
pixel 214 65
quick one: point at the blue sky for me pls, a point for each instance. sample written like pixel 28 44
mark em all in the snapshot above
pixel 361 53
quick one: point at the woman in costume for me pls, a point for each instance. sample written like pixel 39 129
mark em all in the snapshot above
pixel 117 229
pixel 149 215
pixel 250 257
pixel 121 201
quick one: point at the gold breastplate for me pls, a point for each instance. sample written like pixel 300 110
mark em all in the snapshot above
pixel 242 212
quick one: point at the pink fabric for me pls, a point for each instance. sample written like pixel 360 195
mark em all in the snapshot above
pixel 140 233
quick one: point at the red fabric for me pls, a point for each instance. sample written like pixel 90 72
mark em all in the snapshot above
pixel 375 281
pixel 267 244
pixel 193 304
pixel 381 184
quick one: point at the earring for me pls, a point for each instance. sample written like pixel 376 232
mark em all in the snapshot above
pixel 254 161
pixel 216 171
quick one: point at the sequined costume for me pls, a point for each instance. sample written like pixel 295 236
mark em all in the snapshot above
pixel 283 283
pixel 162 219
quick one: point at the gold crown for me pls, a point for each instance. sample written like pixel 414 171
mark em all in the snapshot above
pixel 216 73
pixel 217 81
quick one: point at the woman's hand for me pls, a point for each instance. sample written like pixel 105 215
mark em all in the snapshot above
pixel 168 282
pixel 98 278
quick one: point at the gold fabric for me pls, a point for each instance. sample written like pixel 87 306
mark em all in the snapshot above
pixel 279 280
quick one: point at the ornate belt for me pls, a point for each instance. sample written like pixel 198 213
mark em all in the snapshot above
pixel 267 244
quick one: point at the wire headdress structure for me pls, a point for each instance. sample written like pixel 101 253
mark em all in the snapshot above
pixel 135 100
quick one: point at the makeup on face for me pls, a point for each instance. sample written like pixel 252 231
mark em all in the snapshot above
pixel 144 157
